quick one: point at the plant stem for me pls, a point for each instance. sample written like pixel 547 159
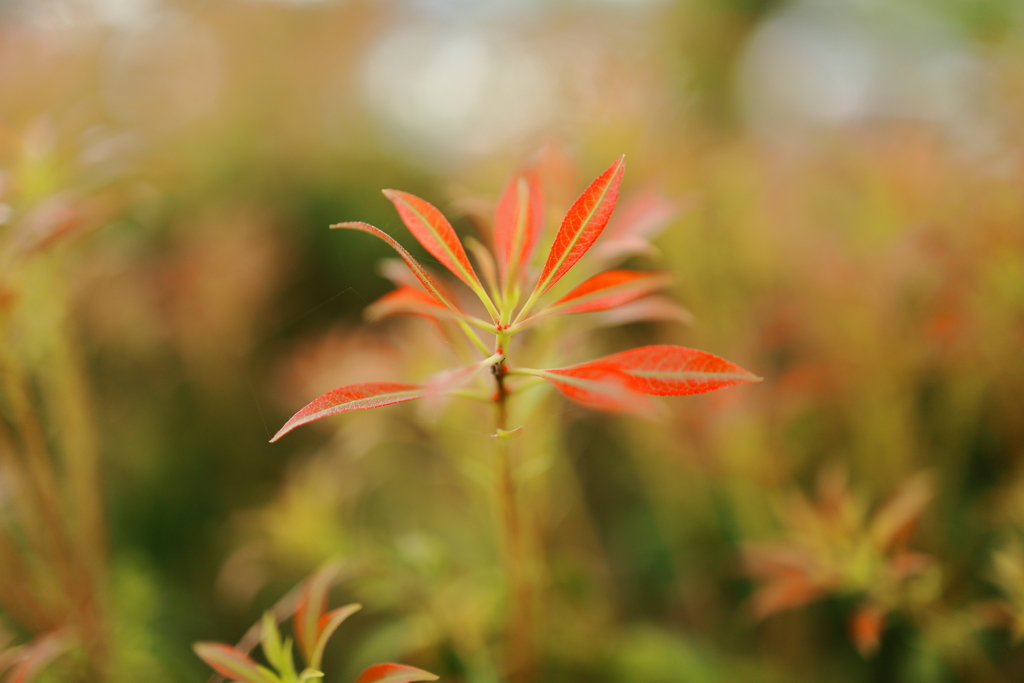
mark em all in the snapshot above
pixel 519 654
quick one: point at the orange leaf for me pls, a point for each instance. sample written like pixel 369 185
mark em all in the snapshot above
pixel 866 627
pixel 649 309
pixel 610 289
pixel 582 225
pixel 677 371
pixel 778 595
pixel 310 609
pixel 639 221
pixel 231 663
pixel 352 397
pixel 394 673
pixel 600 386
pixel 419 271
pixel 435 233
pixel 326 627
pixel 518 219
pixel 409 301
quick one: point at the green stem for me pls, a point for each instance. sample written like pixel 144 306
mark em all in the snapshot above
pixel 519 654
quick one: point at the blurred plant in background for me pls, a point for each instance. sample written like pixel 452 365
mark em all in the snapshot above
pixel 850 227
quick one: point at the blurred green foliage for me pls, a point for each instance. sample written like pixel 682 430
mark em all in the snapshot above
pixel 170 293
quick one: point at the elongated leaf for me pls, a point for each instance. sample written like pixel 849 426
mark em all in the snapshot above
pixel 583 224
pixel 518 219
pixel 648 309
pixel 866 626
pixel 635 224
pixel 310 608
pixel 326 627
pixel 352 397
pixel 394 673
pixel 677 371
pixel 409 301
pixel 600 386
pixel 610 289
pixel 435 233
pixel 233 664
pixel 419 271
pixel 30 660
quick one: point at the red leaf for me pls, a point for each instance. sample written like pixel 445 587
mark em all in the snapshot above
pixel 785 593
pixel 517 223
pixel 866 628
pixel 394 673
pixel 677 371
pixel 352 397
pixel 418 270
pixel 600 386
pixel 326 627
pixel 636 224
pixel 30 661
pixel 435 233
pixel 408 301
pixel 582 225
pixel 310 609
pixel 233 664
pixel 610 289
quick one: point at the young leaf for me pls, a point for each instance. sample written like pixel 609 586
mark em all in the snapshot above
pixel 394 673
pixel 309 675
pixel 866 627
pixel 233 664
pixel 610 289
pixel 352 397
pixel 648 309
pixel 409 301
pixel 582 225
pixel 310 609
pixel 635 224
pixel 271 641
pixel 326 626
pixel 518 219
pixel 600 386
pixel 677 371
pixel 435 233
pixel 30 660
pixel 419 271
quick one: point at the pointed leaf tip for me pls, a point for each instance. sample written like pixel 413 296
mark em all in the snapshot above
pixel 518 219
pixel 394 673
pixel 352 397
pixel 232 663
pixel 429 226
pixel 582 225
pixel 665 370
pixel 419 271
pixel 610 289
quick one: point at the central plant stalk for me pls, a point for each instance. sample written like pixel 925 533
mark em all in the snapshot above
pixel 519 655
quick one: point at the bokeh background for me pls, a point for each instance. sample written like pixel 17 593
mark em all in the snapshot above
pixel 850 188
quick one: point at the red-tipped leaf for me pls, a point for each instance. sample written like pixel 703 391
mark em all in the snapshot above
pixel 582 225
pixel 677 371
pixel 310 609
pixel 394 673
pixel 352 397
pixel 233 664
pixel 866 626
pixel 517 223
pixel 28 662
pixel 419 271
pixel 326 627
pixel 648 309
pixel 600 386
pixel 610 289
pixel 409 301
pixel 636 223
pixel 435 233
